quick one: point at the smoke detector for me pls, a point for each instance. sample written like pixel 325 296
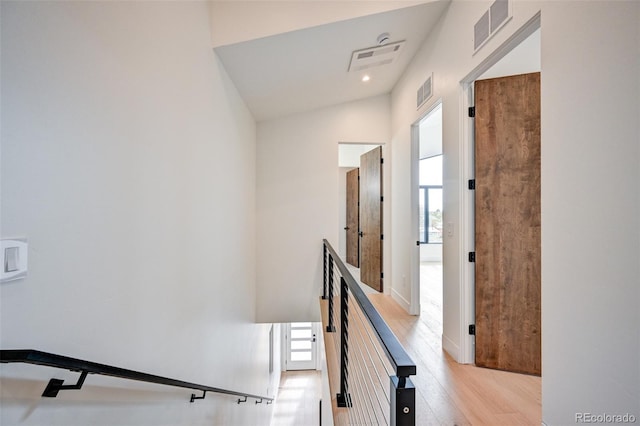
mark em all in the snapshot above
pixel 383 38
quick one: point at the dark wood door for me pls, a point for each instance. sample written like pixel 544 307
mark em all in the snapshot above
pixel 371 218
pixel 353 222
pixel 507 223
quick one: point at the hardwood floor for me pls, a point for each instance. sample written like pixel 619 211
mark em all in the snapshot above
pixel 298 399
pixel 431 295
pixel 448 393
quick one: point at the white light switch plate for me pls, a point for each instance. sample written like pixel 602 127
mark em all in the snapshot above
pixel 14 259
pixel 449 229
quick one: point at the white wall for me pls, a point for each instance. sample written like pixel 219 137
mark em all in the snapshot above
pixel 430 252
pixel 297 200
pixel 128 161
pixel 590 292
pixel 590 171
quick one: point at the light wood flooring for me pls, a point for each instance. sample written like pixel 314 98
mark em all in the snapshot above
pixel 431 296
pixel 447 393
pixel 297 403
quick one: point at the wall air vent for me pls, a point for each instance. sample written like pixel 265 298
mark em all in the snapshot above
pixel 375 56
pixel 425 91
pixel 499 12
pixel 492 20
pixel 481 31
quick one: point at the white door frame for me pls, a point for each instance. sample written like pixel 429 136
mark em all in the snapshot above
pixel 290 365
pixel 414 305
pixel 467 219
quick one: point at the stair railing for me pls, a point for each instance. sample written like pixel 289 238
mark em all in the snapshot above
pixel 30 356
pixel 369 348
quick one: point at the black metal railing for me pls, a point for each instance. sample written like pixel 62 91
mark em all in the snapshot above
pixel 401 395
pixel 30 356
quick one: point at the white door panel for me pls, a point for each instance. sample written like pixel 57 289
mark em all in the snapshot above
pixel 301 346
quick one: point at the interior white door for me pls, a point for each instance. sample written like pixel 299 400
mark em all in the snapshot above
pixel 301 346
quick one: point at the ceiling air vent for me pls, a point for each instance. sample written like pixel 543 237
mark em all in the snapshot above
pixel 375 56
pixel 491 21
pixel 425 91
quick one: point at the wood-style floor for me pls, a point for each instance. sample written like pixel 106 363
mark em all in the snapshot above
pixel 297 403
pixel 448 393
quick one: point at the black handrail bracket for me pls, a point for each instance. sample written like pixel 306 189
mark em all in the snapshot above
pixel 194 397
pixel 55 385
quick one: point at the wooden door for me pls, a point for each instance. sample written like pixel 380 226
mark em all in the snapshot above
pixel 507 223
pixel 371 218
pixel 353 222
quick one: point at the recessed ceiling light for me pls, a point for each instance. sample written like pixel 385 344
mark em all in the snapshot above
pixel 365 78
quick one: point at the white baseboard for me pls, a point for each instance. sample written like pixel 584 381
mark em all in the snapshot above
pixel 451 348
pixel 401 300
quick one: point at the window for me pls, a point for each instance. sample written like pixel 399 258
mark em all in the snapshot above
pixel 430 200
pixel 430 223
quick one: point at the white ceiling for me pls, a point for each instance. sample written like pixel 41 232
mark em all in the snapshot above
pixel 306 69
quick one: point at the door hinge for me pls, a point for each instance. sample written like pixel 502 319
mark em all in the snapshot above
pixel 472 184
pixel 472 112
pixel 472 329
pixel 418 243
pixel 381 199
pixel 382 161
pixel 382 236
pixel 472 256
pixel 381 275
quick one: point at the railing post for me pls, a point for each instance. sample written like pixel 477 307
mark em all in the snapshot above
pixel 324 269
pixel 343 398
pixel 330 327
pixel 403 402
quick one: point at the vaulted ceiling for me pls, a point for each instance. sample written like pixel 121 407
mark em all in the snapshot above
pixel 294 62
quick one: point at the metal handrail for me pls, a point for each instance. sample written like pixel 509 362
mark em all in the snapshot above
pixel 402 401
pixel 402 362
pixel 31 356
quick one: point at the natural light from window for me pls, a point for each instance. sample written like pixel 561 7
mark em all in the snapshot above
pixel 430 200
